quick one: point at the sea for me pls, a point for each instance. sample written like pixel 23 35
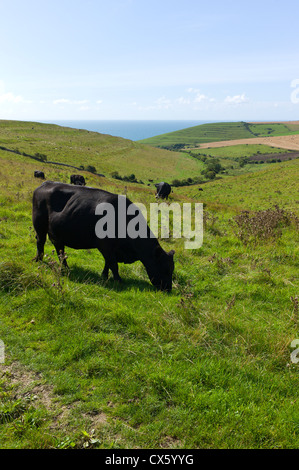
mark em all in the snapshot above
pixel 130 129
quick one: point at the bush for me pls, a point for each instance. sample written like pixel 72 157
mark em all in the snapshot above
pixel 91 168
pixel 262 225
pixel 209 174
pixel 187 182
pixel 130 178
pixel 41 157
pixel 116 175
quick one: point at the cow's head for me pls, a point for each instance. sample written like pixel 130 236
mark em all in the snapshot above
pixel 161 268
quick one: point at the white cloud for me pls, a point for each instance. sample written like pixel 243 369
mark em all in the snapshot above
pixel 10 97
pixel 183 100
pixel 99 101
pixel 200 97
pixel 163 103
pixel 193 90
pixel 61 101
pixel 237 99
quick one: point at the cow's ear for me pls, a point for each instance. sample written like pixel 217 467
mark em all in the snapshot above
pixel 158 252
pixel 171 253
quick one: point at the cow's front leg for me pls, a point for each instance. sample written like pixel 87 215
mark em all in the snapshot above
pixel 105 271
pixel 114 269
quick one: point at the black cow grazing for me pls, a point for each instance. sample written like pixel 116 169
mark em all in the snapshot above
pixel 200 189
pixel 39 174
pixel 79 180
pixel 68 215
pixel 163 190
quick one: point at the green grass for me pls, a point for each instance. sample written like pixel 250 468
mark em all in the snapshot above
pixel 124 366
pixel 272 184
pixel 217 132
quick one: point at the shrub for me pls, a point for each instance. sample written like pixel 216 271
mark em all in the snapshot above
pixel 91 168
pixel 116 175
pixel 41 156
pixel 262 225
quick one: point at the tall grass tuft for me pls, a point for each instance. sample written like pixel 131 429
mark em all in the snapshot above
pixel 14 278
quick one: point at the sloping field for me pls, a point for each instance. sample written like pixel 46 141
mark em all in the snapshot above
pixel 275 184
pixel 222 131
pixel 203 133
pixel 290 142
pixel 106 153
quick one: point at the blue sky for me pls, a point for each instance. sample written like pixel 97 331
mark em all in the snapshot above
pixel 158 59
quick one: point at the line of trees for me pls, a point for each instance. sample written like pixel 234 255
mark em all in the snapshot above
pixel 129 178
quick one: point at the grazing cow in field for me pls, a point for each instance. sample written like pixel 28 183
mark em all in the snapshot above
pixel 79 180
pixel 39 174
pixel 200 189
pixel 69 215
pixel 163 190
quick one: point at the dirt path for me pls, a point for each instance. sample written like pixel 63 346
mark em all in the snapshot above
pixel 290 142
pixel 30 385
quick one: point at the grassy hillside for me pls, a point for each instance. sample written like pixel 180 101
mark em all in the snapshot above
pixel 217 132
pixel 96 364
pixel 106 153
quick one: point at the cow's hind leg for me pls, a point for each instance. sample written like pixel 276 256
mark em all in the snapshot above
pixel 110 263
pixel 40 224
pixel 114 268
pixel 40 243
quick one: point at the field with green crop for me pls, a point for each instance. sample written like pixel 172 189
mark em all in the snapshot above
pixel 264 130
pixel 242 150
pixel 97 364
pixel 217 132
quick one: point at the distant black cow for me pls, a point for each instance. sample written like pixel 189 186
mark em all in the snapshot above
pixel 200 189
pixel 79 180
pixel 163 190
pixel 39 174
pixel 68 215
